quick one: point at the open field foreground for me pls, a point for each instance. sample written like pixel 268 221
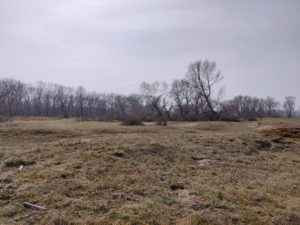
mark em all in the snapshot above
pixel 186 173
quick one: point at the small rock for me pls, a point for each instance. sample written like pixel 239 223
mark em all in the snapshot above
pixel 204 162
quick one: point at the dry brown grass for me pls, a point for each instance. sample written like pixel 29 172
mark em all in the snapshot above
pixel 186 173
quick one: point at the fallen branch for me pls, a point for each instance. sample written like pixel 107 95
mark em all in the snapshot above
pixel 33 206
pixel 6 160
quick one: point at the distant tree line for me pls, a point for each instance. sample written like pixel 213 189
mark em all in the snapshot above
pixel 195 97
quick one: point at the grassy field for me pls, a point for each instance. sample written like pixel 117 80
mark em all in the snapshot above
pixel 186 173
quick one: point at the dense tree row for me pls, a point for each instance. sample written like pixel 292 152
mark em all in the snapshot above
pixel 18 99
pixel 192 98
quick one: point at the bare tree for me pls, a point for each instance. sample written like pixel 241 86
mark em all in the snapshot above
pixel 101 107
pixel 289 105
pixel 135 106
pixel 271 106
pixel 245 107
pixel 38 98
pixel 120 105
pixel 2 97
pixel 47 99
pixel 80 102
pixel 167 107
pixel 203 76
pixel 155 95
pixel 27 100
pixel 11 95
pixel 182 94
pixel 64 100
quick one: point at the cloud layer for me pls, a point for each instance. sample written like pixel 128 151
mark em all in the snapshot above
pixel 114 45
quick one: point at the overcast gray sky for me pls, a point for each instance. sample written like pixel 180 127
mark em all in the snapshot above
pixel 114 45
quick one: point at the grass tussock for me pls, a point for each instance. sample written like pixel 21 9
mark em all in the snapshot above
pixel 19 162
pixel 202 220
pixel 132 122
pixel 290 218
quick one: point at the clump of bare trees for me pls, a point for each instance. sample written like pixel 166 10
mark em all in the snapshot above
pixel 195 97
pixel 203 76
pixel 11 96
pixel 289 105
pixel 52 100
pixel 247 107
pixel 156 95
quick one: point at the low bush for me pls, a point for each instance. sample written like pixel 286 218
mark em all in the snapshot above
pixel 252 119
pixel 230 119
pixel 132 122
